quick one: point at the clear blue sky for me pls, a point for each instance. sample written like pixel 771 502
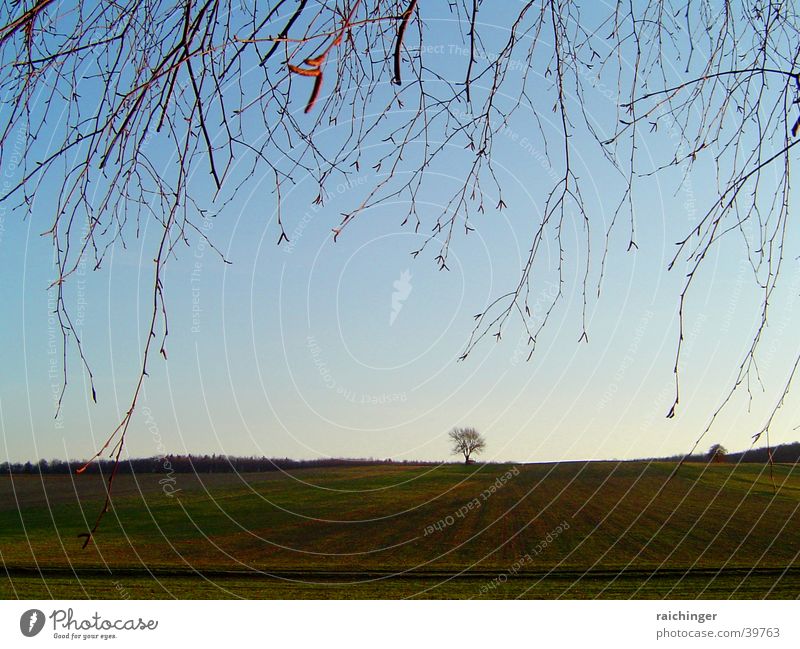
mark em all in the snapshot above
pixel 303 351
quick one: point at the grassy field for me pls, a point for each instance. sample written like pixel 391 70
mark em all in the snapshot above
pixel 569 530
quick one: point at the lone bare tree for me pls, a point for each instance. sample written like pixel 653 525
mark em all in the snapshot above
pixel 132 113
pixel 466 441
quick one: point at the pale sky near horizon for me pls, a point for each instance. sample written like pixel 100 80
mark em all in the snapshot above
pixel 350 349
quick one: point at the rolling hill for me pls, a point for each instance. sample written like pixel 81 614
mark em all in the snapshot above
pixel 573 530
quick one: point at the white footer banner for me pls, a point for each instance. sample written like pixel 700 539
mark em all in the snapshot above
pixel 355 624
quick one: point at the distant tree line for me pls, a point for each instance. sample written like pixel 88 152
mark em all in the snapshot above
pixel 785 453
pixel 192 464
pixel 788 453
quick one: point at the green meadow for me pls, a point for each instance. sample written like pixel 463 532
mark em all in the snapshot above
pixel 568 530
